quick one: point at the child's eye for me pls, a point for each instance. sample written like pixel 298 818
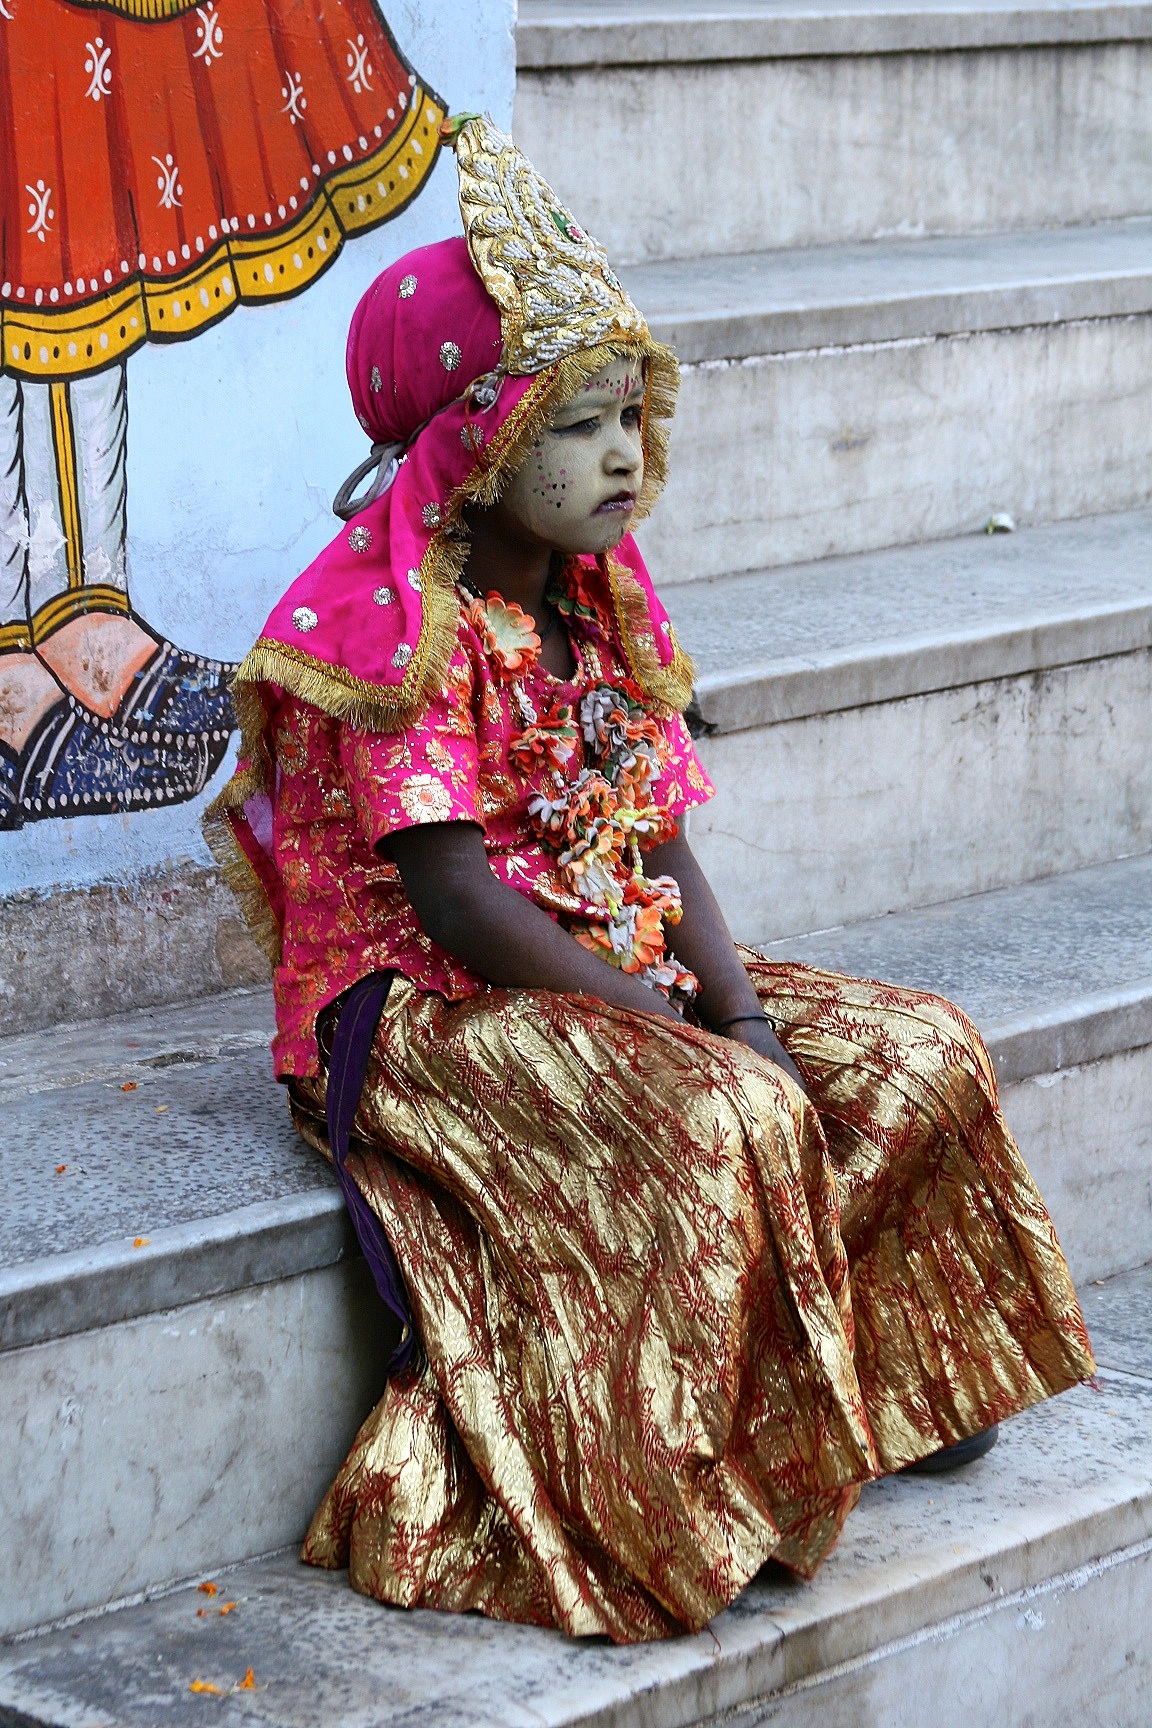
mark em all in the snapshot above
pixel 632 416
pixel 592 424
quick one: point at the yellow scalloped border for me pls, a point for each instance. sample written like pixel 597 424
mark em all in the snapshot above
pixel 42 342
pixel 142 11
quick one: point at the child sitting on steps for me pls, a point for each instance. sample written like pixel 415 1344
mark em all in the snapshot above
pixel 684 1245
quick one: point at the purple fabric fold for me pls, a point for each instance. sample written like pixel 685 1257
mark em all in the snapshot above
pixel 351 1047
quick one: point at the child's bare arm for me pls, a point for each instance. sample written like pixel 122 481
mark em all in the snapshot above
pixel 702 942
pixel 512 942
pixel 497 932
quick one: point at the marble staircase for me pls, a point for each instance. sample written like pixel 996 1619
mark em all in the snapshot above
pixel 854 396
pixel 1012 1595
pixel 904 251
pixel 192 1256
pixel 689 128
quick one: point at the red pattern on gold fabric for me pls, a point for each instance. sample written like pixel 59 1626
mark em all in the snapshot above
pixel 674 1314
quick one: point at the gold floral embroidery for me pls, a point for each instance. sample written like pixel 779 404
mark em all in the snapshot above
pixel 440 756
pixel 425 799
pixel 293 745
pixel 499 793
pixel 374 761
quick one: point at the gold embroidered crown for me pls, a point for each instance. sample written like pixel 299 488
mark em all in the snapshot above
pixel 556 291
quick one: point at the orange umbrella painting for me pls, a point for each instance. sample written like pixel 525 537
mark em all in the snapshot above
pixel 163 162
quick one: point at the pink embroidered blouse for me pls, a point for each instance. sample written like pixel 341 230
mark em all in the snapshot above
pixel 341 791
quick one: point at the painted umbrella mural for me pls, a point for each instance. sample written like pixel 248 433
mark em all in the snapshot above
pixel 162 162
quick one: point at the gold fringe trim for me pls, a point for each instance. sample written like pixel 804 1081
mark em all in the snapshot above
pixel 669 687
pixel 220 835
pixel 548 393
pixel 375 707
pixel 243 882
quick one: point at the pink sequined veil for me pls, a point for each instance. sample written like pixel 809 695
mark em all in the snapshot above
pixel 366 631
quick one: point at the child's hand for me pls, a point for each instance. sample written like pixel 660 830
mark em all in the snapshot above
pixel 759 1036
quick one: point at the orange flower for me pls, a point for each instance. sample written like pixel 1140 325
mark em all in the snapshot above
pixel 595 938
pixel 632 782
pixel 204 1686
pixel 552 739
pixel 672 979
pixel 207 1589
pixel 647 937
pixel 508 634
pixel 651 825
pixel 591 864
pixel 573 594
pixel 662 892
pixel 632 941
pixel 248 1684
pixel 591 799
pixel 549 815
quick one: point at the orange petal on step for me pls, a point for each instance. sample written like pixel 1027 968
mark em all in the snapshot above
pixel 60 1169
pixel 207 1589
pixel 128 1086
pixel 141 1241
pixel 204 1686
pixel 227 1607
pixel 248 1684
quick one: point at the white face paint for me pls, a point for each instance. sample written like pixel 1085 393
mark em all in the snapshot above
pixel 576 489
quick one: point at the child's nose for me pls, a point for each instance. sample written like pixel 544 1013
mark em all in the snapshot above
pixel 622 455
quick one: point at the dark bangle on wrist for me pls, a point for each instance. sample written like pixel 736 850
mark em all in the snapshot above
pixel 735 1019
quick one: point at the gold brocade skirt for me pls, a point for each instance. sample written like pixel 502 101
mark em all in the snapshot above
pixel 673 1313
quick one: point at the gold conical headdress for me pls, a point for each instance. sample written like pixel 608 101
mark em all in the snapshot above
pixel 555 288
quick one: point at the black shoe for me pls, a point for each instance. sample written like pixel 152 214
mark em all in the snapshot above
pixel 76 765
pixel 177 695
pixel 956 1456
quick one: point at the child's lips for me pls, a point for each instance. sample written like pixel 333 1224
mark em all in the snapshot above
pixel 621 504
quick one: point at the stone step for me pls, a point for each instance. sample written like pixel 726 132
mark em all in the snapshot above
pixel 1058 976
pixel 744 124
pixel 899 728
pixel 188 1341
pixel 1016 1592
pixel 844 398
pixel 183 1312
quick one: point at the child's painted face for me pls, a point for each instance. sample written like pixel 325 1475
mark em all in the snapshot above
pixel 576 488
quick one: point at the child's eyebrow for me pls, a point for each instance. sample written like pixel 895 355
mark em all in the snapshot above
pixel 594 397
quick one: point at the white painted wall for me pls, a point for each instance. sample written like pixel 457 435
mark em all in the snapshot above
pixel 238 440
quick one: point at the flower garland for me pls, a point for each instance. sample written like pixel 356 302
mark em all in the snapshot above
pixel 600 822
